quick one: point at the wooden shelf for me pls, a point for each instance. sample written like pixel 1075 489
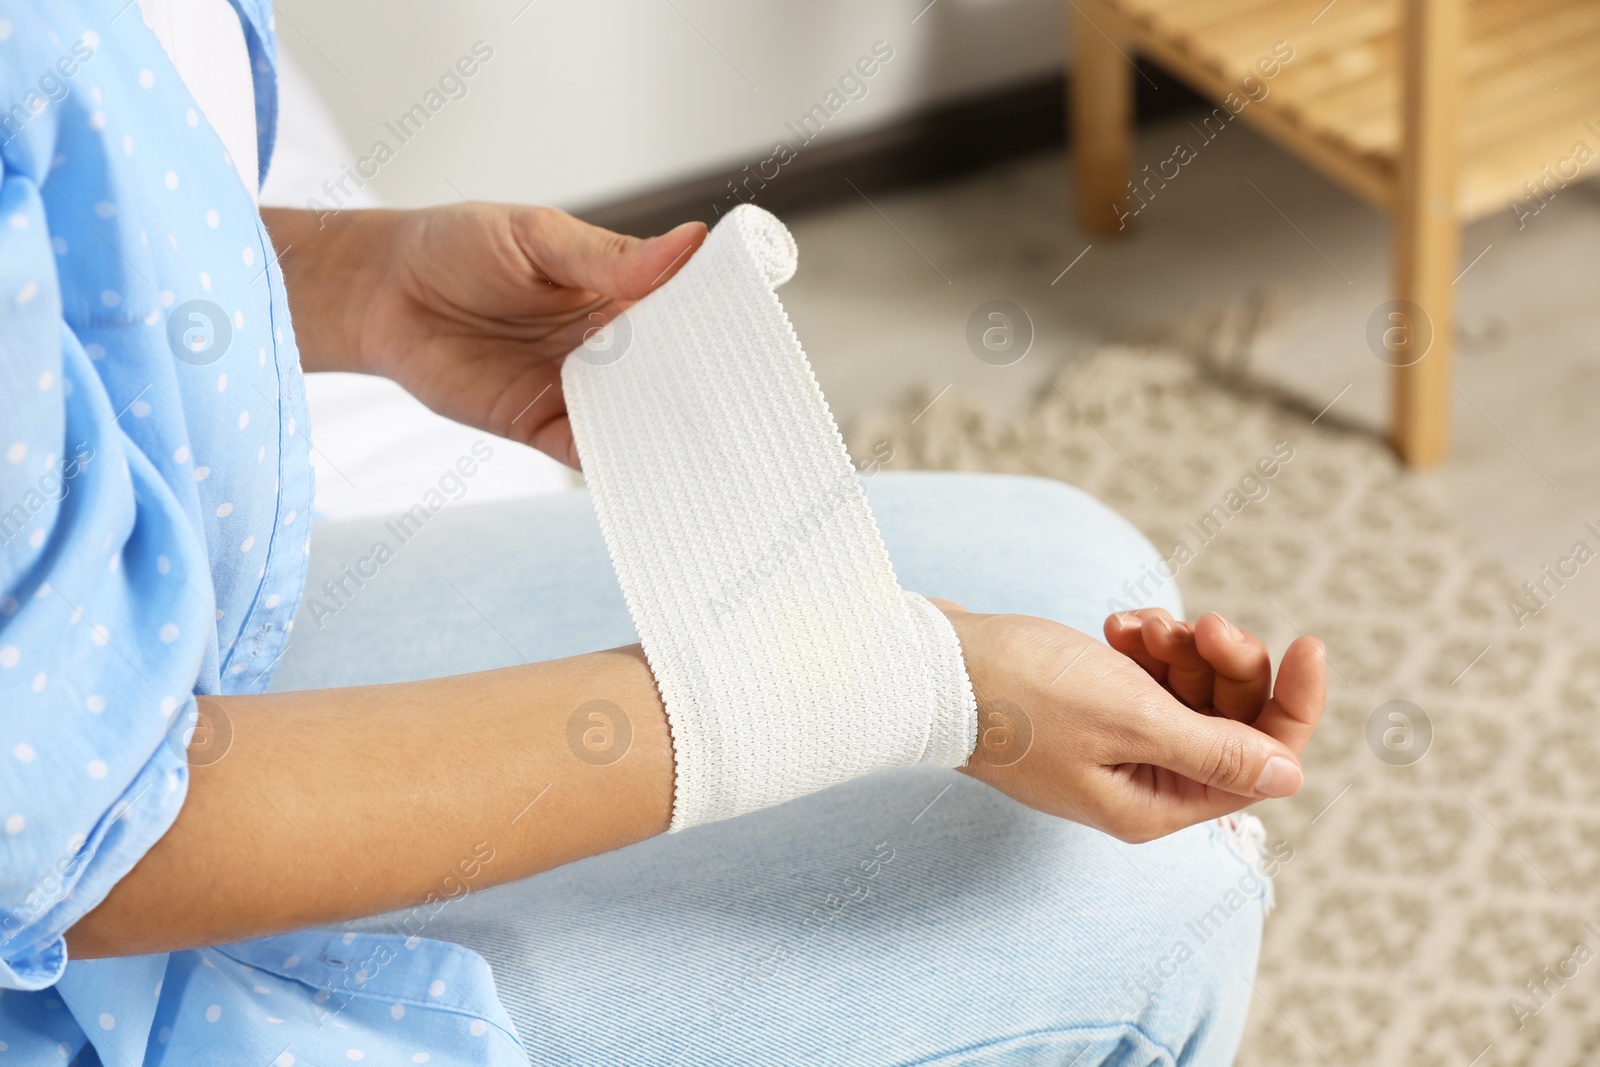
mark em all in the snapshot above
pixel 1530 72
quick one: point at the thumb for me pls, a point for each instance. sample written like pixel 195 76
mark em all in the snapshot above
pixel 573 253
pixel 1226 755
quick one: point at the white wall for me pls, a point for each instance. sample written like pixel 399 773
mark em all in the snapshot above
pixel 585 101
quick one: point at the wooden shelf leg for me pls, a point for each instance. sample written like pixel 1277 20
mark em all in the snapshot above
pixel 1100 101
pixel 1427 229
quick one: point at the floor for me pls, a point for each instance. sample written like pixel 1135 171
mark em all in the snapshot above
pixel 1269 261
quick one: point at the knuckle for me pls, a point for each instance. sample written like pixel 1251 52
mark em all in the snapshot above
pixel 548 228
pixel 617 245
pixel 1228 761
pixel 541 217
pixel 531 219
pixel 531 226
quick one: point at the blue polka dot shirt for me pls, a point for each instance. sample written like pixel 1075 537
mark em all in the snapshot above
pixel 155 498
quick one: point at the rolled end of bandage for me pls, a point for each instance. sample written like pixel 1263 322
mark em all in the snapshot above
pixel 767 241
pixel 787 655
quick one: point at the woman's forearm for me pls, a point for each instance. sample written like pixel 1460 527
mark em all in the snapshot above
pixel 339 803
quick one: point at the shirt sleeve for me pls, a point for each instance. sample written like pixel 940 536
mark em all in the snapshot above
pixel 106 610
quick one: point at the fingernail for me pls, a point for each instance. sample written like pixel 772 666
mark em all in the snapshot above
pixel 1279 778
pixel 1233 631
pixel 1127 618
pixel 1322 650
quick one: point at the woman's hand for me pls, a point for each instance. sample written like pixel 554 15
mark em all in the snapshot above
pixel 471 307
pixel 1173 725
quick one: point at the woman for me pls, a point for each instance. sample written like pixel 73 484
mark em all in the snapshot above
pixel 155 529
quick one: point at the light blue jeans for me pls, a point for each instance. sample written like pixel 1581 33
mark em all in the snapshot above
pixel 910 917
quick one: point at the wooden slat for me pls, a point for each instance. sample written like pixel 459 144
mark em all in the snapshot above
pixel 1193 15
pixel 1492 175
pixel 1577 53
pixel 1342 26
pixel 1250 20
pixel 1577 99
pixel 1363 114
pixel 1369 178
pixel 1315 88
pixel 1141 9
pixel 1367 116
pixel 1302 81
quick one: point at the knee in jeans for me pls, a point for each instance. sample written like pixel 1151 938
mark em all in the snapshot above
pixel 1018 544
pixel 1191 989
pixel 1081 551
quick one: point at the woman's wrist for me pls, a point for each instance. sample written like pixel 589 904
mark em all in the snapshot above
pixel 332 263
pixel 979 635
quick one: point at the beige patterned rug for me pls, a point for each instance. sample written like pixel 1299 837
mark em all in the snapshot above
pixel 1423 897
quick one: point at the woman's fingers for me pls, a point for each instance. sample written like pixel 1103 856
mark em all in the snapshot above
pixel 1299 697
pixel 555 439
pixel 573 253
pixel 1210 665
pixel 1125 633
pixel 1243 668
pixel 1189 676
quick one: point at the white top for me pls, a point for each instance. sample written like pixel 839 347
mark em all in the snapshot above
pixel 205 41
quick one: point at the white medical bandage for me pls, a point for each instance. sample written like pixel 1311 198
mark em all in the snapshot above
pixel 788 656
